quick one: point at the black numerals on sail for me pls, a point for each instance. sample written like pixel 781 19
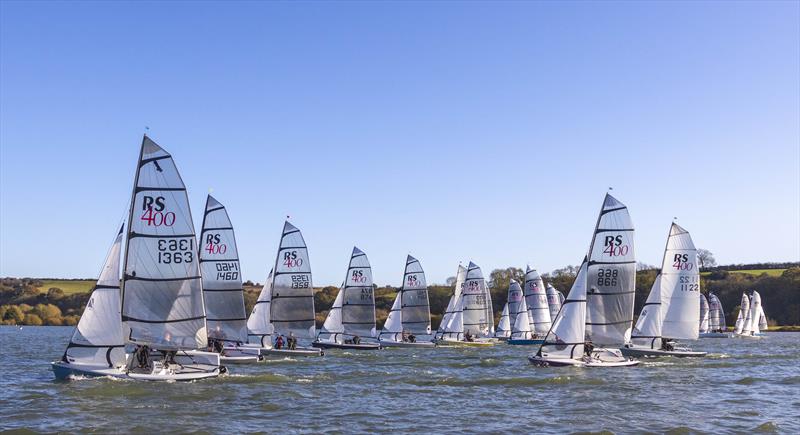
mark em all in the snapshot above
pixel 366 294
pixel 607 277
pixel 300 281
pixel 689 284
pixel 227 270
pixel 175 251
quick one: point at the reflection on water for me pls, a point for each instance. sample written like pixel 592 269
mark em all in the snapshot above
pixel 742 385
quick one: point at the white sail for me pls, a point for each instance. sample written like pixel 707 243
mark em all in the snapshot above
pixel 358 302
pixel 162 300
pixel 515 297
pixel 611 276
pixel 762 319
pixel 415 305
pixel 680 285
pixel 566 338
pixel 504 326
pixel 292 305
pixel 755 313
pixel 333 328
pixel 647 332
pixel 536 300
pixel 744 316
pixel 716 315
pixel 222 278
pixel 393 327
pixel 522 329
pixel 704 317
pixel 476 303
pixel 98 339
pixel 452 324
pixel 560 298
pixel 259 326
pixel 554 299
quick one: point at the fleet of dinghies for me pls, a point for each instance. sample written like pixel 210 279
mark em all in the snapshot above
pixel 173 308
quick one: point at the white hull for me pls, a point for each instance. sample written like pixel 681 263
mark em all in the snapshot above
pixel 634 351
pixel 189 365
pixel 715 335
pixel 749 337
pixel 241 355
pixel 387 343
pixel 334 345
pixel 600 357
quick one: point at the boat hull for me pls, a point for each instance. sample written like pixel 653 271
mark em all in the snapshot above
pixel 352 346
pixel 715 335
pixel 640 352
pixel 64 371
pixel 749 337
pixel 417 344
pixel 447 343
pixel 191 365
pixel 298 351
pixel 525 342
pixel 589 362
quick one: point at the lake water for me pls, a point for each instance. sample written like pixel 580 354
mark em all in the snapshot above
pixel 743 386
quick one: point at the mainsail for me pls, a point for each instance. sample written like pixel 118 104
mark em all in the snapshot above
pixel 333 322
pixel 755 313
pixel 358 300
pixel 416 318
pixel 762 319
pixel 536 300
pixel 744 316
pixel 680 285
pixel 611 276
pixel 647 332
pixel 522 328
pixel 566 338
pixel 162 299
pixel 476 303
pixel 716 315
pixel 554 300
pixel 98 339
pixel 504 326
pixel 704 317
pixel 292 303
pixel 393 327
pixel 452 324
pixel 222 277
pixel 515 297
pixel 259 326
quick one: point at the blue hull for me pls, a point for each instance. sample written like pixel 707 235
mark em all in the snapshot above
pixel 525 342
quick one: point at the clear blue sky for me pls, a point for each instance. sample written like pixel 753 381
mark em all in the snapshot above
pixel 451 131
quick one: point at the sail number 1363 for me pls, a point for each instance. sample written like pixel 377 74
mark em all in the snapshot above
pixel 175 251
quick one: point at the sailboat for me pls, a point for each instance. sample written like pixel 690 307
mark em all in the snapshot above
pixel 470 310
pixel 538 309
pixel 163 314
pixel 599 308
pixel 522 332
pixel 410 316
pixel 752 322
pixel 704 320
pixel 222 287
pixel 503 331
pixel 285 306
pixel 97 346
pixel 554 300
pixel 716 319
pixel 670 311
pixel 353 313
pixel 744 314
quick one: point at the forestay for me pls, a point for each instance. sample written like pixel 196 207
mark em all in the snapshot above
pixel 554 299
pixel 680 286
pixel 504 325
pixel 611 276
pixel 259 326
pixel 162 300
pixel 566 337
pixel 704 317
pixel 476 303
pixel 358 300
pixel 222 278
pixel 292 303
pixel 536 300
pixel 716 315
pixel 98 340
pixel 647 332
pixel 416 318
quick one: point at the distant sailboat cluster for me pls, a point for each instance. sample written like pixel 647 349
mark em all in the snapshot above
pixel 170 306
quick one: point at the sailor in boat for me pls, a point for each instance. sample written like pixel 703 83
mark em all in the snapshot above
pixel 588 348
pixel 667 344
pixel 291 342
pixel 468 336
pixel 412 338
pixel 141 357
pixel 356 339
pixel 279 342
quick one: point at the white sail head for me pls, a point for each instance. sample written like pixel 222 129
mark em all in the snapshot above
pixel 704 314
pixel 536 300
pixel 504 325
pixel 333 329
pixel 755 313
pixel 358 301
pixel 415 305
pixel 98 339
pixel 522 328
pixel 476 303
pixel 393 327
pixel 611 276
pixel 680 286
pixel 226 318
pixel 452 326
pixel 647 332
pixel 259 325
pixel 716 315
pixel 566 337
pixel 554 298
pixel 292 304
pixel 162 300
